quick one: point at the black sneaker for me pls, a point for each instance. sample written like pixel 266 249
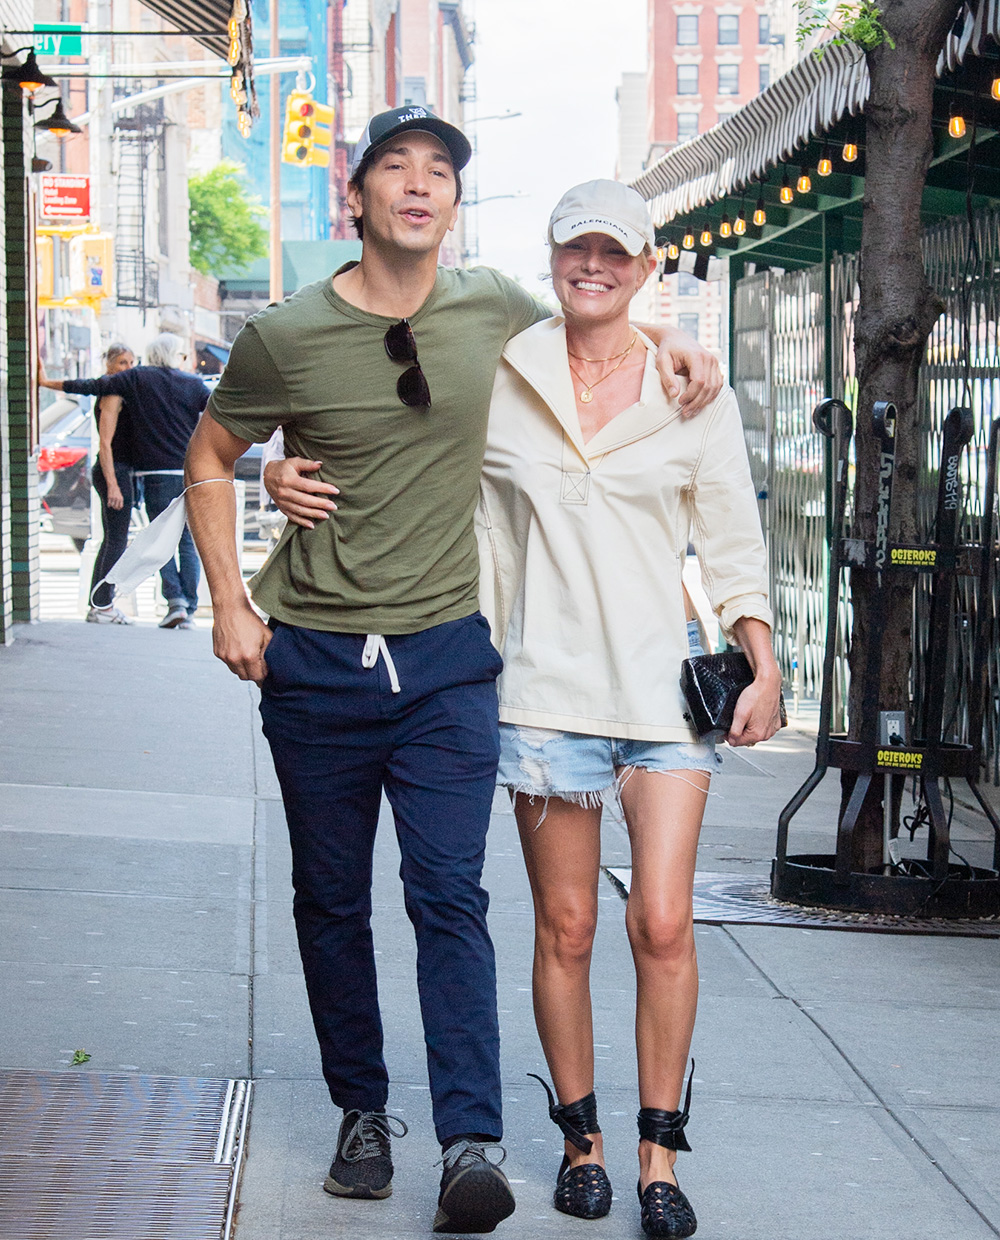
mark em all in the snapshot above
pixel 363 1163
pixel 475 1195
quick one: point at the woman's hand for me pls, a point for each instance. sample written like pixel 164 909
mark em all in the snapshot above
pixel 302 499
pixel 115 498
pixel 757 716
pixel 678 353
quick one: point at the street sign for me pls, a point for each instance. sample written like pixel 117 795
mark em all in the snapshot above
pixel 58 39
pixel 65 197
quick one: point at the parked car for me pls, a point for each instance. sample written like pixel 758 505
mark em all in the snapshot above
pixel 64 469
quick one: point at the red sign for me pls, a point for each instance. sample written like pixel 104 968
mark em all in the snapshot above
pixel 65 197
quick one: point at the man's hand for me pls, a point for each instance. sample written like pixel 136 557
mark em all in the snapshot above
pixel 302 499
pixel 678 353
pixel 115 498
pixel 239 639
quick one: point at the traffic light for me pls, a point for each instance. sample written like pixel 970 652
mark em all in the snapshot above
pixel 322 135
pixel 298 128
pixel 308 131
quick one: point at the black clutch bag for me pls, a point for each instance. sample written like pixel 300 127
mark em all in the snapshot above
pixel 712 684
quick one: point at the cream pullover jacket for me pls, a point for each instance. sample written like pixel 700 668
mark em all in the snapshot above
pixel 582 545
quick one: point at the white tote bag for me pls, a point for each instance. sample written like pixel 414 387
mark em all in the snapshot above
pixel 152 547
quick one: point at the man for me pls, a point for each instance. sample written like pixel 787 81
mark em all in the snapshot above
pixel 379 672
pixel 165 403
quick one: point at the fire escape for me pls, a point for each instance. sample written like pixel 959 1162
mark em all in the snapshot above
pixel 138 138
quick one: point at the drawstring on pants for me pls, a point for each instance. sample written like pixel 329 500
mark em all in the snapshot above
pixel 375 645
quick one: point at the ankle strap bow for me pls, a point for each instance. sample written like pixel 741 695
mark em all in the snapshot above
pixel 575 1119
pixel 666 1128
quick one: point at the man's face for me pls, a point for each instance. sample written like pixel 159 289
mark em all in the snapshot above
pixel 408 200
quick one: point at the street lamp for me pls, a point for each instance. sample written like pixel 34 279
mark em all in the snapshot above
pixel 28 76
pixel 58 124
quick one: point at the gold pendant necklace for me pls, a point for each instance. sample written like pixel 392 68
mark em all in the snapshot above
pixel 587 395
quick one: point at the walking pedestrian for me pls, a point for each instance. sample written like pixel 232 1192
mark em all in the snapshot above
pixel 592 483
pixel 165 403
pixel 376 670
pixel 112 478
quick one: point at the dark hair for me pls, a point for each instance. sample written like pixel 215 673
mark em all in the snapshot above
pixel 358 182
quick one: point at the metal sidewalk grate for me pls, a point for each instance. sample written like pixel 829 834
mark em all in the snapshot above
pixel 97 1156
pixel 733 899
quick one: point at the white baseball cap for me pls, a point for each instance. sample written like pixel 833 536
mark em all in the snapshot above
pixel 608 207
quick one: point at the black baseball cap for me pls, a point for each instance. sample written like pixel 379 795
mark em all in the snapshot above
pixel 414 116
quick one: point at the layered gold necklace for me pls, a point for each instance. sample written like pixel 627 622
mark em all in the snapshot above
pixel 587 395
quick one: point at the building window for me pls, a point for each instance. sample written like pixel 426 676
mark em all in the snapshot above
pixel 687 79
pixel 415 91
pixel 688 286
pixel 763 29
pixel 725 116
pixel 729 29
pixel 765 76
pixel 687 30
pixel 729 79
pixel 688 323
pixel 687 126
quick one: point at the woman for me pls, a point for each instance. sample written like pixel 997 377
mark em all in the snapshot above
pixel 591 485
pixel 112 477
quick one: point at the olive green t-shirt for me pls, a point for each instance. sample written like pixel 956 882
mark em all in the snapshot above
pixel 399 554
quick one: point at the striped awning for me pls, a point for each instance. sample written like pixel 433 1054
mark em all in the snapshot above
pixel 206 21
pixel 804 102
pixel 224 27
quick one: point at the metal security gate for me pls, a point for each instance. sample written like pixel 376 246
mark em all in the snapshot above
pixel 781 323
pixel 778 377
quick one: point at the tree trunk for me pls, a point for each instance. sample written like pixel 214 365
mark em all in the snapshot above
pixel 896 312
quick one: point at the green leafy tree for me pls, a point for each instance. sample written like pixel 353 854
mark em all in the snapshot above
pixel 225 220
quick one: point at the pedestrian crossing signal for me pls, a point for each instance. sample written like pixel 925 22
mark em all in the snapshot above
pixel 308 131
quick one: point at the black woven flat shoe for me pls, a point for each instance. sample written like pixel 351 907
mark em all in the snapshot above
pixel 583 1191
pixel 665 1211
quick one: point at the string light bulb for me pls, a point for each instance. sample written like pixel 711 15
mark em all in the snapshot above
pixel 850 152
pixel 825 165
pixel 725 228
pixel 673 252
pixel 760 215
pixel 995 89
pixel 706 234
pixel 804 183
pixel 688 242
pixel 244 123
pixel 740 224
pixel 956 124
pixel 786 193
pixel 661 253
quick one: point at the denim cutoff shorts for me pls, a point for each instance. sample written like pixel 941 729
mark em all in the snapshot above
pixel 582 768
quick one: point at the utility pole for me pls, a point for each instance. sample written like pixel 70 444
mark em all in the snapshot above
pixel 277 289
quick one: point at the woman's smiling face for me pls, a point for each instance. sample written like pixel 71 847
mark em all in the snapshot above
pixel 595 277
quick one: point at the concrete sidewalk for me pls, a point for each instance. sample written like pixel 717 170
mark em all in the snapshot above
pixel 846 1086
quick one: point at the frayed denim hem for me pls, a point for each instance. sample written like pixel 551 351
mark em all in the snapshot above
pixel 587 800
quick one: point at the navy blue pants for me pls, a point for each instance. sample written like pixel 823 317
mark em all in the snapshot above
pixel 339 736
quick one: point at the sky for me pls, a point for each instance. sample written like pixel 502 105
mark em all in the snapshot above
pixel 558 63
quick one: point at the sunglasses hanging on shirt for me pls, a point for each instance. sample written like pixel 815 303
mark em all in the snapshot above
pixel 411 387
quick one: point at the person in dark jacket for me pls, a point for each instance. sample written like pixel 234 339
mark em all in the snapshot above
pixel 165 403
pixel 112 477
